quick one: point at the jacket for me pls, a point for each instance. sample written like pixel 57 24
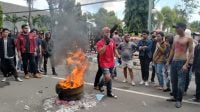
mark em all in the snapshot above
pixel 10 47
pixel 21 42
pixel 48 47
pixel 147 53
pixel 196 61
pixel 159 57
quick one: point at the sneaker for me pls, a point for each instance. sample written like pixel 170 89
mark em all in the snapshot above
pixel 142 82
pixel 124 81
pixel 159 88
pixel 146 84
pixel 37 76
pixel 171 100
pixel 27 76
pixel 55 74
pixel 178 104
pixel 133 83
pixel 19 79
pixel 167 90
pixel 112 95
pixel 4 79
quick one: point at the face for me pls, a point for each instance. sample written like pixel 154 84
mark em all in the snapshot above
pixel 25 29
pixel 159 37
pixel 106 32
pixel 180 31
pixel 144 35
pixel 34 33
pixel 127 38
pixel 5 33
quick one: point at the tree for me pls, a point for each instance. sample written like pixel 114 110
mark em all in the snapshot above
pixel 30 7
pixel 104 18
pixel 186 8
pixel 195 26
pixel 136 15
pixel 1 16
pixel 14 19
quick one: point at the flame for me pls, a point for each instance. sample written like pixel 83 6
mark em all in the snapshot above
pixel 75 78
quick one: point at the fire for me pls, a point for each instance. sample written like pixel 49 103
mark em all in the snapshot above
pixel 79 63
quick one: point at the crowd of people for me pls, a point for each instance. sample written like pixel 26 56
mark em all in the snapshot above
pixel 173 59
pixel 26 52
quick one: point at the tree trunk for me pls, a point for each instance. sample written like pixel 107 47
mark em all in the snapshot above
pixel 29 14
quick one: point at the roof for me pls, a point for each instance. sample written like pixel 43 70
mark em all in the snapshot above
pixel 9 7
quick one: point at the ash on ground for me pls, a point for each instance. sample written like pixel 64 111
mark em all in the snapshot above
pixel 53 104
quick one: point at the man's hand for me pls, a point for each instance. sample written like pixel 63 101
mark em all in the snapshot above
pixel 185 67
pixel 19 56
pixel 107 40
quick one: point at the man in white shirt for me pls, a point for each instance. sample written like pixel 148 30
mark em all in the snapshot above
pixel 7 53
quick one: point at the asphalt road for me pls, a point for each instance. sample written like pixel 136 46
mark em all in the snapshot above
pixel 29 96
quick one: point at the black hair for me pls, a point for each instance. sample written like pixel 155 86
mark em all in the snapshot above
pixel 170 38
pixel 47 34
pixel 161 33
pixel 145 31
pixel 5 29
pixel 116 32
pixel 23 26
pixel 34 30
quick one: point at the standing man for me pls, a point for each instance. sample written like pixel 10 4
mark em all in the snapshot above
pixel 145 56
pixel 159 59
pixel 26 48
pixel 7 53
pixel 126 50
pixel 48 47
pixel 180 60
pixel 153 48
pixel 107 50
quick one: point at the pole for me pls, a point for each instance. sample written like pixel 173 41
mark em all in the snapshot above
pixel 150 15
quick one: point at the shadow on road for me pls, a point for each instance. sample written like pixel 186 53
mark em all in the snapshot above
pixel 3 84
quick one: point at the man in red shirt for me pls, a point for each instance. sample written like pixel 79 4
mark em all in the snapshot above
pixel 106 49
pixel 26 48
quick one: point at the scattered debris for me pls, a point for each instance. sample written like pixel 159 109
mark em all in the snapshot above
pixel 26 107
pixel 99 97
pixel 144 103
pixel 40 91
pixel 55 105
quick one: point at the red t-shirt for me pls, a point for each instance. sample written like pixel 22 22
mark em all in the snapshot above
pixel 106 60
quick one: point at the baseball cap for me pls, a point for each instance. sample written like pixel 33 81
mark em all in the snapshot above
pixel 180 25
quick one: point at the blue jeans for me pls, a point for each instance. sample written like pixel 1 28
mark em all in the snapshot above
pixel 159 73
pixel 178 79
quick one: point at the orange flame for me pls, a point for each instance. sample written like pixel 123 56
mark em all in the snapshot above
pixel 75 78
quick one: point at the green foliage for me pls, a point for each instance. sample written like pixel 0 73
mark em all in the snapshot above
pixel 104 18
pixel 136 15
pixel 1 16
pixel 195 26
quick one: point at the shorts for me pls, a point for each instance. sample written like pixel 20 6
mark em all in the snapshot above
pixel 107 71
pixel 128 64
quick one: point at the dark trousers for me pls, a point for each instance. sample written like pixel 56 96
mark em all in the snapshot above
pixel 188 77
pixel 28 60
pixel 46 57
pixel 8 66
pixel 145 68
pixel 153 73
pixel 178 79
pixel 37 59
pixel 197 80
pixel 97 77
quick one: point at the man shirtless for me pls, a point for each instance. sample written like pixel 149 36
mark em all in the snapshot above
pixel 179 63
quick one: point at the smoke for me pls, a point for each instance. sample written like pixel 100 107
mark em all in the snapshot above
pixel 70 34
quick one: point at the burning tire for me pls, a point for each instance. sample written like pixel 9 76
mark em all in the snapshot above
pixel 69 94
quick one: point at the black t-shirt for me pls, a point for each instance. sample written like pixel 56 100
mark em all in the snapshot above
pixel 27 44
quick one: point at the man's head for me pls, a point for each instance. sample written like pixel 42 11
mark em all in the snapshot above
pixel 153 34
pixel 106 32
pixel 127 38
pixel 5 32
pixel 34 32
pixel 47 35
pixel 169 38
pixel 160 36
pixel 25 28
pixel 180 28
pixel 145 34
